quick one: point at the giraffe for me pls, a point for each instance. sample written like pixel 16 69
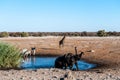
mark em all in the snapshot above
pixel 61 42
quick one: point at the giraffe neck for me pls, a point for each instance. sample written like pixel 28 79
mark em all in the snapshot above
pixel 76 50
pixel 63 38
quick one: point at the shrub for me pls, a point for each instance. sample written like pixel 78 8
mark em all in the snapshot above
pixel 24 34
pixel 14 34
pixel 10 56
pixel 101 33
pixel 4 34
pixel 84 33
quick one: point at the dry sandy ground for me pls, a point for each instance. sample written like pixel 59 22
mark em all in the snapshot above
pixel 106 55
pixel 57 74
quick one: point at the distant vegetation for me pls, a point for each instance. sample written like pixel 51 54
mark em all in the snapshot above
pixel 10 56
pixel 18 34
pixel 4 34
pixel 100 33
pixel 24 34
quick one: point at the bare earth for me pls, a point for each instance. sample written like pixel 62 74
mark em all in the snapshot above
pixel 106 55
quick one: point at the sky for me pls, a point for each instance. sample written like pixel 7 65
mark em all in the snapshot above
pixel 59 15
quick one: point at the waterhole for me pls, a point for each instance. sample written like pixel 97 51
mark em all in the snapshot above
pixel 48 62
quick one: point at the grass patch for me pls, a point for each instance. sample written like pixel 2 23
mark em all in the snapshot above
pixel 10 56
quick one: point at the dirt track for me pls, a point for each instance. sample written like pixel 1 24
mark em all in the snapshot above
pixel 107 49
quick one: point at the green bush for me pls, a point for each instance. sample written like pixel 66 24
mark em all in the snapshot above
pixel 4 34
pixel 10 56
pixel 24 34
pixel 101 33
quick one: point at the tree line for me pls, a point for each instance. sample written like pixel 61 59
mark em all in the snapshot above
pixel 100 33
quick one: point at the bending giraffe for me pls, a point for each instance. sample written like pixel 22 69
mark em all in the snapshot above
pixel 61 42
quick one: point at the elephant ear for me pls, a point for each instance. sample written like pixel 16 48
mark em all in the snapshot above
pixel 65 55
pixel 76 50
pixel 68 55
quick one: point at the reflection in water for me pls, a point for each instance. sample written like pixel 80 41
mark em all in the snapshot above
pixel 48 62
pixel 32 59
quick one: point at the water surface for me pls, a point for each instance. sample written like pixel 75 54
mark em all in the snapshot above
pixel 48 62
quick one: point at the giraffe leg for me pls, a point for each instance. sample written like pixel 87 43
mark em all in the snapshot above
pixel 63 45
pixel 59 45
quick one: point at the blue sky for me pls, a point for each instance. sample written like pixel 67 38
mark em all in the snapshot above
pixel 59 15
